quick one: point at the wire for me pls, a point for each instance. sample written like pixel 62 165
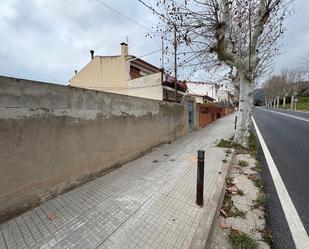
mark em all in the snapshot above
pixel 126 17
pixel 123 15
pixel 153 52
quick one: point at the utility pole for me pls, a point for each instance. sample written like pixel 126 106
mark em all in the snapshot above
pixel 175 61
pixel 162 56
pixel 162 60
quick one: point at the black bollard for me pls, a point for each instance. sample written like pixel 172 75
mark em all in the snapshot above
pixel 200 177
pixel 235 122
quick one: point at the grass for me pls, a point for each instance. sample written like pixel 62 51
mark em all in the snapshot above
pixel 253 144
pixel 229 180
pixel 241 240
pixel 225 143
pixel 230 144
pixel 227 205
pixel 260 201
pixel 303 103
pixel 235 212
pixel 243 163
pixel 267 235
pixel 251 149
pixel 230 209
pixel 228 151
pixel 240 192
pixel 259 183
pixel 257 180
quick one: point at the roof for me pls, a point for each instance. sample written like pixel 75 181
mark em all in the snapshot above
pixel 204 96
pixel 170 82
pixel 142 62
pixel 201 82
pixel 133 59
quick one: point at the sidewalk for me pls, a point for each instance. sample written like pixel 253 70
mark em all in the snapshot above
pixel 147 203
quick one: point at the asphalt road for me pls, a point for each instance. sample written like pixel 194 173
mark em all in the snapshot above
pixel 287 139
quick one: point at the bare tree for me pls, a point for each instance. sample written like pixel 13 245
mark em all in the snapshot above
pixel 294 77
pixel 287 84
pixel 240 35
pixel 273 90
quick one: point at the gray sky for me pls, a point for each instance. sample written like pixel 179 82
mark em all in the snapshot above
pixel 295 43
pixel 47 40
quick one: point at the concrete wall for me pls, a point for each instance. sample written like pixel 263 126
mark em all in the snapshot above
pixel 149 87
pixel 54 137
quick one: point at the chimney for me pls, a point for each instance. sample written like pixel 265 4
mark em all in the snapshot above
pixel 124 49
pixel 92 54
pixel 75 71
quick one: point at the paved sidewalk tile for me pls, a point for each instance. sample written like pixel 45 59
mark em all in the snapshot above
pixel 147 203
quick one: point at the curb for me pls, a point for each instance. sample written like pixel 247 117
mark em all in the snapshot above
pixel 204 232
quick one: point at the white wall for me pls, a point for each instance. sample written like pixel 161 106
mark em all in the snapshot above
pixel 203 89
pixel 223 95
pixel 199 99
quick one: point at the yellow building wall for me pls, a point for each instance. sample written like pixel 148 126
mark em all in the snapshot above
pixel 108 74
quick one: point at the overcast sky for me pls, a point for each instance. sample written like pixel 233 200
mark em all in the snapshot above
pixel 47 40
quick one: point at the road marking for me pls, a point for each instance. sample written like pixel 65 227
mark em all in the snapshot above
pixel 285 114
pixel 297 229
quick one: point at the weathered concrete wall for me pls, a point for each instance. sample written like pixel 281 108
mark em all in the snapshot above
pixel 54 137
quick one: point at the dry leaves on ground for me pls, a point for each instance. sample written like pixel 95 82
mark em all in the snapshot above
pixel 51 216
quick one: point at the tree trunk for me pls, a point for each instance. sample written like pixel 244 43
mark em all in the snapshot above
pixel 278 102
pixel 292 102
pixel 273 103
pixel 283 104
pixel 244 112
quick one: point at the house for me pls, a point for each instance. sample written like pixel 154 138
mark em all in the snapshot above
pixel 129 75
pixel 203 88
pixel 220 93
pixel 201 99
pixel 226 97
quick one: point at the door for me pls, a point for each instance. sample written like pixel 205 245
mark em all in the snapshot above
pixel 190 116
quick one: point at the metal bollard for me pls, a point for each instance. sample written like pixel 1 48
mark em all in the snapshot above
pixel 235 122
pixel 200 177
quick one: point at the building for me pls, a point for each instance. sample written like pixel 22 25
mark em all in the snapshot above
pixel 126 74
pixel 201 99
pixel 219 93
pixel 203 89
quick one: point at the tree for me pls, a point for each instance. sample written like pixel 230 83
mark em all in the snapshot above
pixel 239 35
pixel 287 84
pixel 273 90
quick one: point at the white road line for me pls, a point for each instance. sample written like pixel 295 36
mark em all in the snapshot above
pixel 297 229
pixel 285 114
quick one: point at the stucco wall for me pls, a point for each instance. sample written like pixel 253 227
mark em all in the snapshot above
pixel 54 137
pixel 149 87
pixel 108 73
